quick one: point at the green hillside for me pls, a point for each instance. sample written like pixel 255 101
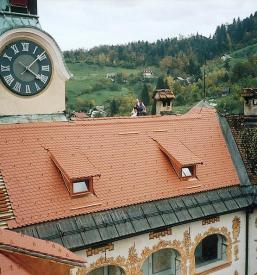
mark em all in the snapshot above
pixel 90 86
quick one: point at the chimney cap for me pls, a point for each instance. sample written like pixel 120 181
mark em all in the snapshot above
pixel 249 93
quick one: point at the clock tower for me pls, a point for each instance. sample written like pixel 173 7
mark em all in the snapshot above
pixel 32 70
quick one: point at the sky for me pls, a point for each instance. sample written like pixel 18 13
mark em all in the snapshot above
pixel 89 23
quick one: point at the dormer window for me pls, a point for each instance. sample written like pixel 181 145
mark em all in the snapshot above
pixel 76 170
pixel 80 187
pixel 187 172
pixel 182 159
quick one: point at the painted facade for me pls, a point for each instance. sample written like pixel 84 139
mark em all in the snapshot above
pixel 130 254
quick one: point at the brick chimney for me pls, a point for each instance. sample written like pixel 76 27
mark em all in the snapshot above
pixel 163 99
pixel 250 101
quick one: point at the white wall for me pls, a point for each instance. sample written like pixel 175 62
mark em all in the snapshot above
pixel 253 243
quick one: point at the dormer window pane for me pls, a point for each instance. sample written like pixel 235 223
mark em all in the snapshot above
pixel 80 186
pixel 186 172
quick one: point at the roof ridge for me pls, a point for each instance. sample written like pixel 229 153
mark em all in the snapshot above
pixel 102 121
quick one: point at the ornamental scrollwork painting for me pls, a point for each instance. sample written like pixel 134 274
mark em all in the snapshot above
pixel 103 261
pixel 236 252
pixel 236 228
pixel 187 241
pixel 134 262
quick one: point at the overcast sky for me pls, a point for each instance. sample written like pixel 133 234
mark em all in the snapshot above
pixel 88 23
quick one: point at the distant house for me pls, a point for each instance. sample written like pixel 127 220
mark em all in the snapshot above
pixel 111 76
pixel 182 80
pixel 225 57
pixel 147 73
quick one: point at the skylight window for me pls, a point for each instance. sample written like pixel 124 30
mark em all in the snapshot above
pixel 81 186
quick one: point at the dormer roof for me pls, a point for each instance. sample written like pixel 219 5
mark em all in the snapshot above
pixel 178 151
pixel 73 164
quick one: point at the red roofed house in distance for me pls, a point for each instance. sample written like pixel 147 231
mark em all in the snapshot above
pixel 72 192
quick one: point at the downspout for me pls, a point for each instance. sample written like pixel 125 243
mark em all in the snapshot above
pixel 247 241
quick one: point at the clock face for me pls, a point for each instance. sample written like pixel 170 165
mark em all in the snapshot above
pixel 25 67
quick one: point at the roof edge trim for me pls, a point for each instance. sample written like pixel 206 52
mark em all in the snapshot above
pixel 233 151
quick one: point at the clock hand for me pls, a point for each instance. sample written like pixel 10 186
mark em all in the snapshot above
pixel 27 67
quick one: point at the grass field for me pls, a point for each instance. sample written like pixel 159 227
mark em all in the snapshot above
pixel 89 83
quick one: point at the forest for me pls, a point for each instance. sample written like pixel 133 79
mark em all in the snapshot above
pixel 184 57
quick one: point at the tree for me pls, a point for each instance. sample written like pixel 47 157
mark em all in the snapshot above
pixel 114 107
pixel 145 95
pixel 162 83
pixel 166 63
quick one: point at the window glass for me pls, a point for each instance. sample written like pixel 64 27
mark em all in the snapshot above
pixel 115 270
pixel 211 249
pixel 80 186
pixel 161 260
pixel 107 270
pixel 99 271
pixel 187 171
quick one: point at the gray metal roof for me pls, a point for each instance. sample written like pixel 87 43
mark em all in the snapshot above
pixel 10 21
pixel 32 118
pixel 82 231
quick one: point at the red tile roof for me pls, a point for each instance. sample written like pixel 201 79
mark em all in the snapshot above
pixel 10 239
pixel 133 169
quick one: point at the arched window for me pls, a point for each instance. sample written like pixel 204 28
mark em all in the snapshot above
pixel 163 262
pixel 211 250
pixel 107 270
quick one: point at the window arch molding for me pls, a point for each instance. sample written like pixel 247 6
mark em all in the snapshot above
pixel 223 231
pixel 174 245
pixel 102 262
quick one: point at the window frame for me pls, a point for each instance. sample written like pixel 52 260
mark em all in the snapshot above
pixel 192 169
pixel 221 260
pixel 89 184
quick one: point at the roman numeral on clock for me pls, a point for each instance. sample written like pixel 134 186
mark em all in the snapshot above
pixel 43 78
pixel 28 91
pixel 5 68
pixel 9 79
pixel 7 56
pixel 17 87
pixel 46 68
pixel 37 87
pixel 15 49
pixel 41 57
pixel 25 46
pixel 35 49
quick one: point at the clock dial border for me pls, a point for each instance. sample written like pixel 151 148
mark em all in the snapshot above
pixel 32 79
